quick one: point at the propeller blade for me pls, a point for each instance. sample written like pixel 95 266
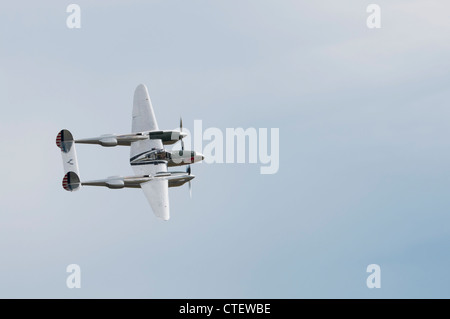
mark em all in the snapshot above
pixel 190 190
pixel 188 170
pixel 181 130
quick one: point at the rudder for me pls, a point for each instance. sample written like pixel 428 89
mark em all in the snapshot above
pixel 71 182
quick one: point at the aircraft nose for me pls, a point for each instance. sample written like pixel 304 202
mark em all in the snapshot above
pixel 183 135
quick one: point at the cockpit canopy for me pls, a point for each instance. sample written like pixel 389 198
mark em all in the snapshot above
pixel 159 154
pixel 151 156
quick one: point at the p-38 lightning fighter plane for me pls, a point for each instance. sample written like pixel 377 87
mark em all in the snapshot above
pixel 148 158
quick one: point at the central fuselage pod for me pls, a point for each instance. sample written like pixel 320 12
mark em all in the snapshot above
pixel 178 158
pixel 173 158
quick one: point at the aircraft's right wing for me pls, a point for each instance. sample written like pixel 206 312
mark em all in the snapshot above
pixel 143 120
pixel 143 116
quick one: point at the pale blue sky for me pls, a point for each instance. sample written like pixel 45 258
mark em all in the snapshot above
pixel 364 175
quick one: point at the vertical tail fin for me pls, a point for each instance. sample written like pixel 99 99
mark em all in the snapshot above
pixel 71 182
pixel 64 140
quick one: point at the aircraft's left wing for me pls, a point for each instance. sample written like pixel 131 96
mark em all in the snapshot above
pixel 157 193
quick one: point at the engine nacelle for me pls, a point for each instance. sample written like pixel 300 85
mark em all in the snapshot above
pixel 115 184
pixel 109 141
pixel 167 137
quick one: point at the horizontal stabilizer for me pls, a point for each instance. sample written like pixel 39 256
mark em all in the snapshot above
pixel 71 182
pixel 64 140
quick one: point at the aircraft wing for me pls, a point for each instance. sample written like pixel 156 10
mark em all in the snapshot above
pixel 143 120
pixel 157 190
pixel 157 193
